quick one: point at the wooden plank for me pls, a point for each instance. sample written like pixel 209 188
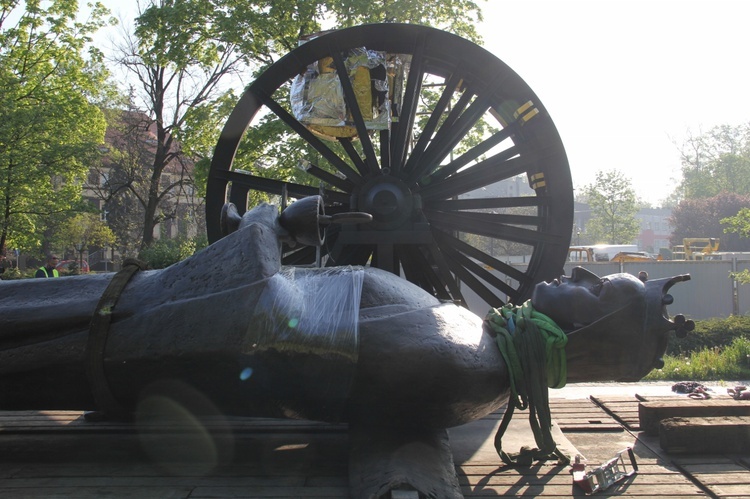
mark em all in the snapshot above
pixel 625 488
pixel 705 435
pixel 87 463
pixel 69 482
pixel 581 415
pixel 653 480
pixel 69 421
pixel 133 492
pixel 645 466
pixel 650 414
pixel 251 492
pixel 721 477
pixel 640 479
pixel 622 409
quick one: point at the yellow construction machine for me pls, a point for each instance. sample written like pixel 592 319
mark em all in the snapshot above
pixel 696 248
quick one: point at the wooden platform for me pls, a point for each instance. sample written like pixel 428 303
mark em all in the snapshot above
pixel 723 475
pixel 58 454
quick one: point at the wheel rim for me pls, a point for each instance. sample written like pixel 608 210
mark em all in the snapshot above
pixel 438 217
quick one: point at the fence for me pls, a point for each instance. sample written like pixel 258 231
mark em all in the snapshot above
pixel 710 292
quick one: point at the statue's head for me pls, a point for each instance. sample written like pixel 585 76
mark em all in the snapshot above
pixel 617 325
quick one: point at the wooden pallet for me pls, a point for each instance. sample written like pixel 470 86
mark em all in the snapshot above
pixel 58 454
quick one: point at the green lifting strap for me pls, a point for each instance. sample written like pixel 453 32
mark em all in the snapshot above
pixel 97 340
pixel 533 348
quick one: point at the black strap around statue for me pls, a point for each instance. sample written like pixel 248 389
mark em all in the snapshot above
pixel 97 340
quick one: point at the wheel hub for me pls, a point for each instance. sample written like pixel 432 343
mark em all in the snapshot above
pixel 388 200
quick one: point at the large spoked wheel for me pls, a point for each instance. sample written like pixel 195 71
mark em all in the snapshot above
pixel 470 174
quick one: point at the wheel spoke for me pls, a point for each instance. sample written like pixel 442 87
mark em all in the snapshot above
pixel 448 241
pixel 403 127
pixel 299 255
pixel 384 257
pixel 461 270
pixel 246 181
pixel 347 254
pixel 385 150
pixel 444 272
pixel 329 178
pixel 442 172
pixel 484 274
pixel 487 203
pixel 470 223
pixel 311 139
pixel 487 172
pixel 417 263
pixel 348 146
pixel 495 218
pixel 371 160
pixel 426 136
pixel 453 129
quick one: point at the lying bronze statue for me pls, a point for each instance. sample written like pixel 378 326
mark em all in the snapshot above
pixel 230 331
pixel 331 344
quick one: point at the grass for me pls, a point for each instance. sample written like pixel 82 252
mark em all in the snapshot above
pixel 708 364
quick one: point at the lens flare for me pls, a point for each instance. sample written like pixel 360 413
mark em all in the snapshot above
pixel 246 373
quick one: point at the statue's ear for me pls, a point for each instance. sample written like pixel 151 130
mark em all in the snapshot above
pixel 230 219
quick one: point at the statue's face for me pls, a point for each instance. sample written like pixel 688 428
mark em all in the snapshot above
pixel 584 297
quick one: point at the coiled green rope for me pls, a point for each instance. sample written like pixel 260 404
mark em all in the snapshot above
pixel 533 348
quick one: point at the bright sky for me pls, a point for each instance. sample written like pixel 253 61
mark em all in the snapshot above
pixel 627 81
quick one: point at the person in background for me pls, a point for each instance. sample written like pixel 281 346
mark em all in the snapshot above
pixel 49 269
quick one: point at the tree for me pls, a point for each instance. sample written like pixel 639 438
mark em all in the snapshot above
pixel 181 50
pixel 716 161
pixel 739 224
pixel 83 232
pixel 50 122
pixel 704 217
pixel 122 181
pixel 613 206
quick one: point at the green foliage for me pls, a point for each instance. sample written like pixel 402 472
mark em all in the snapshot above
pixel 165 252
pixel 717 349
pixel 739 223
pixel 84 231
pixel 613 205
pixel 14 273
pixel 717 363
pixel 50 124
pixel 455 16
pixel 716 161
pixel 710 334
pixel 703 217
